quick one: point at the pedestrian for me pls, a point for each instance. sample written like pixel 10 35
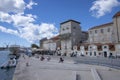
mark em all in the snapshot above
pixel 27 64
pixel 61 60
pixel 48 58
pixel 23 55
pixel 42 58
pixel 27 61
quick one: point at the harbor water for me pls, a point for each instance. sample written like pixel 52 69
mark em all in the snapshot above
pixel 5 74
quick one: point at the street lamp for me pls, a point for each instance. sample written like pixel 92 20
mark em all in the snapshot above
pixel 49 45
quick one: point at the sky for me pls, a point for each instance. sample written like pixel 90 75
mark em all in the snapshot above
pixel 23 22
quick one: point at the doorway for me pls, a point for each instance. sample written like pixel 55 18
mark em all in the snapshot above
pixel 105 54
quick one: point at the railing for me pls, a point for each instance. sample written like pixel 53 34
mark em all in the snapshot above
pixel 109 62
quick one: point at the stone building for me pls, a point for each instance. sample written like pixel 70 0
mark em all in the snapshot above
pixel 97 49
pixel 102 40
pixel 50 44
pixel 41 42
pixel 70 35
pixel 101 34
pixel 84 37
pixel 116 21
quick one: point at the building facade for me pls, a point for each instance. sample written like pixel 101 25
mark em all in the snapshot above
pixel 116 21
pixel 101 34
pixel 102 40
pixel 50 44
pixel 70 35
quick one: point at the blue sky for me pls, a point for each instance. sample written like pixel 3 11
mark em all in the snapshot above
pixel 24 22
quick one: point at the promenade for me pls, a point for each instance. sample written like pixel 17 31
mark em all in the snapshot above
pixel 53 70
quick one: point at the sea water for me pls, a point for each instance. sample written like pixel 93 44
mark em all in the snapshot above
pixel 5 74
pixel 4 56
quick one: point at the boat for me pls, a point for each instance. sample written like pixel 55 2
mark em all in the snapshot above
pixel 9 64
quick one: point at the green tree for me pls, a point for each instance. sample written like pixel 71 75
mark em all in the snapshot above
pixel 34 46
pixel 14 50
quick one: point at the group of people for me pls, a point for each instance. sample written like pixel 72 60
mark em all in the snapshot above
pixel 42 58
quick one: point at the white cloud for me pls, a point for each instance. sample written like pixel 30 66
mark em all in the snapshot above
pixel 101 7
pixel 5 17
pixel 49 30
pixel 10 31
pixel 36 32
pixel 31 3
pixel 21 20
pixel 15 6
pixel 24 23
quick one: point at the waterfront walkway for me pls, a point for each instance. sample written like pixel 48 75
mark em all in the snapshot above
pixel 53 70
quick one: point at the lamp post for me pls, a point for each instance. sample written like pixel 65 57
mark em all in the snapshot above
pixel 49 46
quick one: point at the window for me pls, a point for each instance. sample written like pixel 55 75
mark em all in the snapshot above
pixel 105 46
pixel 99 53
pixel 90 53
pixel 74 27
pixel 90 32
pixel 95 31
pixel 67 28
pixel 90 47
pixel 94 53
pixel 102 31
pixel 108 29
pixel 63 29
pixel 80 42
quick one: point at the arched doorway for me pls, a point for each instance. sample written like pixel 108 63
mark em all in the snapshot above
pixel 111 54
pixel 105 54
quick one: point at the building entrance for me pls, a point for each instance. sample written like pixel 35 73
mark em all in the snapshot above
pixel 105 54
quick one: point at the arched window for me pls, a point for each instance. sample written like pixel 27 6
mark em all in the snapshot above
pixel 105 47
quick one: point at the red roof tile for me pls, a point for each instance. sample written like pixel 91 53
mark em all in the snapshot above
pixel 56 38
pixel 117 14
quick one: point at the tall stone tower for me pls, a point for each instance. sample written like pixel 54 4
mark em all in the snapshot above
pixel 70 35
pixel 116 25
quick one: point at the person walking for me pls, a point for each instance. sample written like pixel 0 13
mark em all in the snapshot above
pixel 48 58
pixel 42 58
pixel 61 60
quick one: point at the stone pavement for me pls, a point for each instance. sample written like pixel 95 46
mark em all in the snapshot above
pixel 53 70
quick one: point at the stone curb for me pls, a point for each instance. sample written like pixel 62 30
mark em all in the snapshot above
pixel 95 74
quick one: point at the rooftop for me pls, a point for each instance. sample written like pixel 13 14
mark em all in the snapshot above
pixel 69 21
pixel 101 26
pixel 56 37
pixel 117 14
